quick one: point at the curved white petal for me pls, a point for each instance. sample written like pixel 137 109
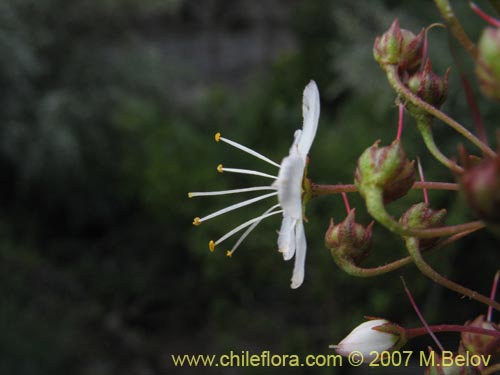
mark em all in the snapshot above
pixel 310 112
pixel 289 185
pixel 300 256
pixel 286 237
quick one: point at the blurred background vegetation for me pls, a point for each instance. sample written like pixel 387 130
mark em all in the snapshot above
pixel 107 115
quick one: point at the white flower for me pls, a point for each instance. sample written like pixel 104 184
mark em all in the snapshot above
pixel 367 340
pixel 287 186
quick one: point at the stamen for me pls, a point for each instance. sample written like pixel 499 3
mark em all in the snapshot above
pixel 197 221
pixel 234 191
pixel 248 231
pixel 221 169
pixel 241 227
pixel 218 138
pixel 211 246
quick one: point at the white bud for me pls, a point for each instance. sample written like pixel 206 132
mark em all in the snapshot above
pixel 365 339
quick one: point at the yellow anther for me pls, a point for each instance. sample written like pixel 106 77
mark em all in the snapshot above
pixel 196 221
pixel 190 195
pixel 217 137
pixel 220 168
pixel 211 246
pixel 229 253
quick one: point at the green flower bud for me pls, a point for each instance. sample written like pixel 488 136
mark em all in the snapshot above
pixel 349 240
pixel 420 216
pixel 386 168
pixel 399 47
pixel 488 63
pixel 429 86
pixel 481 344
pixel 481 187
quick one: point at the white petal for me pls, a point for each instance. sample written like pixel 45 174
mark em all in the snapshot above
pixel 310 112
pixel 289 185
pixel 300 256
pixel 286 237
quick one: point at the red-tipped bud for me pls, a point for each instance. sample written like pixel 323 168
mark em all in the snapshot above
pixel 399 47
pixel 385 168
pixel 481 186
pixel 488 63
pixel 420 216
pixel 481 344
pixel 349 240
pixel 429 86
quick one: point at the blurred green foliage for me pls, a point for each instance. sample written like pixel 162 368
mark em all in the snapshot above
pixel 102 134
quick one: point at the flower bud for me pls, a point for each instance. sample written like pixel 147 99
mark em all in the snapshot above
pixel 375 335
pixel 420 216
pixel 429 86
pixel 399 47
pixel 349 240
pixel 488 63
pixel 481 186
pixel 481 344
pixel 386 168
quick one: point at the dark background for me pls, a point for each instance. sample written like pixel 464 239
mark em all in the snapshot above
pixel 107 116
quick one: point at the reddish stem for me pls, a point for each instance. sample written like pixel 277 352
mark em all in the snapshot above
pixel 400 121
pixel 493 294
pixel 346 202
pixel 415 332
pixel 491 20
pixel 421 317
pixel 422 178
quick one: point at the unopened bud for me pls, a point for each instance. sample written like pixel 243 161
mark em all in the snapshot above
pixel 429 86
pixel 481 344
pixel 481 186
pixel 349 240
pixel 399 47
pixel 385 168
pixel 420 216
pixel 372 337
pixel 488 63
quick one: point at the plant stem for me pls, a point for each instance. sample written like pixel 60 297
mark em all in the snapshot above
pixel 412 244
pixel 319 190
pixel 354 270
pixel 455 26
pixel 424 126
pixel 415 332
pixel 375 206
pixel 403 91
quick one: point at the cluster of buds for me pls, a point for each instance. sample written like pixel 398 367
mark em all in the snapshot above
pixel 402 48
